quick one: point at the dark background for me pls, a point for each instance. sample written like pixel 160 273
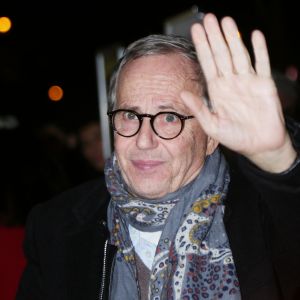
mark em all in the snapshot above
pixel 49 44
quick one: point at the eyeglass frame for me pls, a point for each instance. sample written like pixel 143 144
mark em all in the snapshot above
pixel 141 117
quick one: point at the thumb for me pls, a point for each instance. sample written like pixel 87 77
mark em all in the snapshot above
pixel 200 111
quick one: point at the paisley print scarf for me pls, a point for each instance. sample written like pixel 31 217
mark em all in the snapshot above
pixel 193 259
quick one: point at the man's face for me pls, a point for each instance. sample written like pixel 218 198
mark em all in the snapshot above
pixel 153 167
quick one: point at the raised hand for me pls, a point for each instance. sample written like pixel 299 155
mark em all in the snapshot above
pixel 246 113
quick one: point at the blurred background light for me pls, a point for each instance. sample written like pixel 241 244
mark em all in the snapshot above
pixel 5 24
pixel 292 72
pixel 55 93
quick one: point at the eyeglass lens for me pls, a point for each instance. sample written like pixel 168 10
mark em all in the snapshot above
pixel 165 124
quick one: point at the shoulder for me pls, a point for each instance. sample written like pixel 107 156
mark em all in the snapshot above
pixel 78 203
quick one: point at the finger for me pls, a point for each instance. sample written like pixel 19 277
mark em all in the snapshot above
pixel 262 61
pixel 201 112
pixel 204 53
pixel 218 45
pixel 239 54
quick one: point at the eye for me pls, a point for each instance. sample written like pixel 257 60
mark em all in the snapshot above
pixel 170 118
pixel 128 115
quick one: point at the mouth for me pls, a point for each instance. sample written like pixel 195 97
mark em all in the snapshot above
pixel 146 165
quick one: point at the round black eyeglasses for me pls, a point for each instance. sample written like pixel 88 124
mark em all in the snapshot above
pixel 167 125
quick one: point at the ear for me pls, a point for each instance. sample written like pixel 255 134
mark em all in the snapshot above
pixel 211 145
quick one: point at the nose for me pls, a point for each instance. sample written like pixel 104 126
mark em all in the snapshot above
pixel 146 137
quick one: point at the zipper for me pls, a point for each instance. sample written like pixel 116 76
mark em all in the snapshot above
pixel 103 272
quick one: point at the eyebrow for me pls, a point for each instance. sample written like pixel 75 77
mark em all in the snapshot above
pixel 124 106
pixel 162 107
pixel 166 107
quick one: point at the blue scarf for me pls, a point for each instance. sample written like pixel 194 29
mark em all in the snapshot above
pixel 193 259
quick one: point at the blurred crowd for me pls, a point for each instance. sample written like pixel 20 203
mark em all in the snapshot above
pixel 36 165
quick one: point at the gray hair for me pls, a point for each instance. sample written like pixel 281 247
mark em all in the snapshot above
pixel 156 44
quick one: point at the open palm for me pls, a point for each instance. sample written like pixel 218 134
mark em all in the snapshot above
pixel 246 114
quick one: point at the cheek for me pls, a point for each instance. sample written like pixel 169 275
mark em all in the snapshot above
pixel 180 148
pixel 195 146
pixel 119 144
pixel 122 147
pixel 183 151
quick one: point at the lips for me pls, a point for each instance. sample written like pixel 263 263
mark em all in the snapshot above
pixel 146 165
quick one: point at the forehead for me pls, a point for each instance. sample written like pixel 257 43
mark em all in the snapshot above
pixel 158 78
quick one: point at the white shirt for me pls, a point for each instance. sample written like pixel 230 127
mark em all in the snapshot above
pixel 145 244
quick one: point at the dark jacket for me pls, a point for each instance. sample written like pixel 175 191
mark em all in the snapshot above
pixel 66 238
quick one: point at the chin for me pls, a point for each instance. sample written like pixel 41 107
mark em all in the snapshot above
pixel 150 195
pixel 149 183
pixel 151 190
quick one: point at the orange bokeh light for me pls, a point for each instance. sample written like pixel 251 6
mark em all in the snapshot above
pixel 55 93
pixel 5 24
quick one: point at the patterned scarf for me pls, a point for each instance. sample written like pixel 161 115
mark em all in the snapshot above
pixel 193 259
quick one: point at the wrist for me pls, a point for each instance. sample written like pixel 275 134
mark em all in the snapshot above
pixel 276 161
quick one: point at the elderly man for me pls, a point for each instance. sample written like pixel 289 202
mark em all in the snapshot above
pixel 181 223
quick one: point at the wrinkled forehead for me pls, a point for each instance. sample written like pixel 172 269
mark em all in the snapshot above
pixel 157 76
pixel 171 63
